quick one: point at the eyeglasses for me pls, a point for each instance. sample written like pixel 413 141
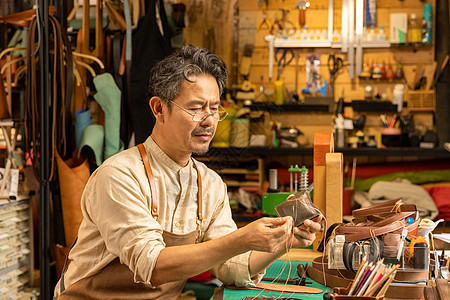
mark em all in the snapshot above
pixel 200 116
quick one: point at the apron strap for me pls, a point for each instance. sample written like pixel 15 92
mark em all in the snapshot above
pixel 151 180
pixel 61 281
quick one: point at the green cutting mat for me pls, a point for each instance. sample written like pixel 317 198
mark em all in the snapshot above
pixel 272 271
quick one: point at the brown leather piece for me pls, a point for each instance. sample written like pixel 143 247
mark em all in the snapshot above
pixel 288 288
pixel 72 180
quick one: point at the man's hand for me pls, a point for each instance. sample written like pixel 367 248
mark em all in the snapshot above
pixel 267 234
pixel 305 234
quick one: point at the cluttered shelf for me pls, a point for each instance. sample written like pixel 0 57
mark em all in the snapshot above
pixel 394 151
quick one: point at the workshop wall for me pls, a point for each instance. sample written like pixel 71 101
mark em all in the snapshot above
pixel 413 58
pixel 220 21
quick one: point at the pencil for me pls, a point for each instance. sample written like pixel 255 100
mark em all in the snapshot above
pixel 363 277
pixel 362 268
pixel 382 280
pixel 386 285
pixel 367 280
pixel 371 278
pixel 376 278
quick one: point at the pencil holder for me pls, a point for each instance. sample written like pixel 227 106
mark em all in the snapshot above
pixel 340 293
pixel 391 137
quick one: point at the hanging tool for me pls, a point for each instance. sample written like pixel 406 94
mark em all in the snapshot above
pixel 265 21
pixel 287 55
pixel 260 3
pixel 302 6
pixel 297 58
pixel 285 22
pixel 334 65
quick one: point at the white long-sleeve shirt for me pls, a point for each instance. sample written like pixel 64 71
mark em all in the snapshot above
pixel 117 219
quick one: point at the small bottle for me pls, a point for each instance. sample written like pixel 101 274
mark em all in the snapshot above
pixel 318 35
pixel 376 74
pixel 381 34
pixel 390 72
pixel 324 35
pixel 414 30
pixel 371 36
pixel 297 34
pixel 336 36
pixel 304 34
pixel 383 71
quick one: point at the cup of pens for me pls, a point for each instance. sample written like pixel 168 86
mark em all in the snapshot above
pixel 391 137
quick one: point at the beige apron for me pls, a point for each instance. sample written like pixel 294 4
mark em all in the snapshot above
pixel 115 281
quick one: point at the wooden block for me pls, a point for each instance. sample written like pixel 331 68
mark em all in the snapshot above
pixel 334 188
pixel 323 143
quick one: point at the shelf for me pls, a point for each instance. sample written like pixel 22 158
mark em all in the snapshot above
pixel 272 107
pixel 266 151
pixel 373 106
pixel 242 183
pixel 293 43
pixel 236 171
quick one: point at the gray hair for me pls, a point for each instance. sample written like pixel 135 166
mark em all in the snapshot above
pixel 168 74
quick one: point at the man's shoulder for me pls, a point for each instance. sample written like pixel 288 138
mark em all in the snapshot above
pixel 126 159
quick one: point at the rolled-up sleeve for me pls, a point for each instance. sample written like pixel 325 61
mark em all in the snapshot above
pixel 234 271
pixel 122 213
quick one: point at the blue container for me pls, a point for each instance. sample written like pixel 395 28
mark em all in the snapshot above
pixel 428 17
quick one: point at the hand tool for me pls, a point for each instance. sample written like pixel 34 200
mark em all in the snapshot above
pixel 302 6
pixel 301 271
pixel 265 21
pixel 285 59
pixel 334 65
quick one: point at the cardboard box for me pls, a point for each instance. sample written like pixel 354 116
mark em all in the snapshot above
pixel 399 28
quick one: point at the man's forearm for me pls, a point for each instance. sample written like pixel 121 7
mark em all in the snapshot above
pixel 182 262
pixel 259 261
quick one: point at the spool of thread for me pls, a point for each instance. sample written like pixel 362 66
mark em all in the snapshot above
pixel 279 92
pixel 421 257
pixel 273 181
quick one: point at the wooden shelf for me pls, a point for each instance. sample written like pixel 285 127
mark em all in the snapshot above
pixel 397 151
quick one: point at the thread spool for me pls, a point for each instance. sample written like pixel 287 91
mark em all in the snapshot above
pixel 273 181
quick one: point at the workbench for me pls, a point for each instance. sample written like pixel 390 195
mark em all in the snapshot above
pixel 289 271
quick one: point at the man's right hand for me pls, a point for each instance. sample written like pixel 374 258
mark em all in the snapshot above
pixel 267 234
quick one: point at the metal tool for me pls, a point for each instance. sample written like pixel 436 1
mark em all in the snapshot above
pixel 265 21
pixel 302 6
pixel 334 65
pixel 301 271
pixel 287 55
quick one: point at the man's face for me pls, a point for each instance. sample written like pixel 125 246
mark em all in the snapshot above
pixel 188 135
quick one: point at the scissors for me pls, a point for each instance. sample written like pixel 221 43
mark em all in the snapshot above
pixel 334 65
pixel 287 55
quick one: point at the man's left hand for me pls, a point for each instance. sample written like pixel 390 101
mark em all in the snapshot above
pixel 305 234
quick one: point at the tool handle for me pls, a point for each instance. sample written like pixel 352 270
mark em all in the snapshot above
pixel 301 17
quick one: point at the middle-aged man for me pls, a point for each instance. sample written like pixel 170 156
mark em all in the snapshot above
pixel 154 216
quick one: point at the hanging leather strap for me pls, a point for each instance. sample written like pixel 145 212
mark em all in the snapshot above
pixel 151 181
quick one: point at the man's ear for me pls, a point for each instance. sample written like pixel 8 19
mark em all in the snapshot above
pixel 156 104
